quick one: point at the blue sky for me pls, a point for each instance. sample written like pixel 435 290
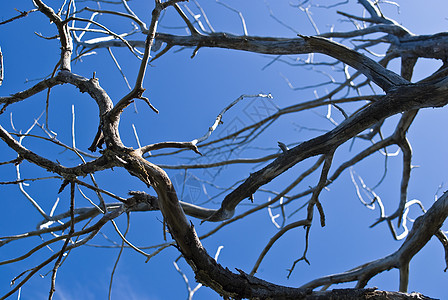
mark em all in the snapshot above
pixel 189 93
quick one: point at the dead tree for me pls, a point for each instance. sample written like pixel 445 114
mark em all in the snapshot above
pixel 364 115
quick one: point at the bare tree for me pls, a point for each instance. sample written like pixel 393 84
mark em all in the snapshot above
pixel 369 106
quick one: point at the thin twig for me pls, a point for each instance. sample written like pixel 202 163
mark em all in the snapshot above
pixel 64 247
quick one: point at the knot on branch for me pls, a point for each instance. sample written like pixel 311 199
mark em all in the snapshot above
pixel 94 80
pixel 141 201
pixel 139 92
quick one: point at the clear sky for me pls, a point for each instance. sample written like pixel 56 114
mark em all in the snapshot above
pixel 189 93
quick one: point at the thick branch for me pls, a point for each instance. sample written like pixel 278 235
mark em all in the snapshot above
pixel 401 99
pixel 207 270
pixel 64 34
pixel 101 163
pixel 424 228
pixel 283 46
